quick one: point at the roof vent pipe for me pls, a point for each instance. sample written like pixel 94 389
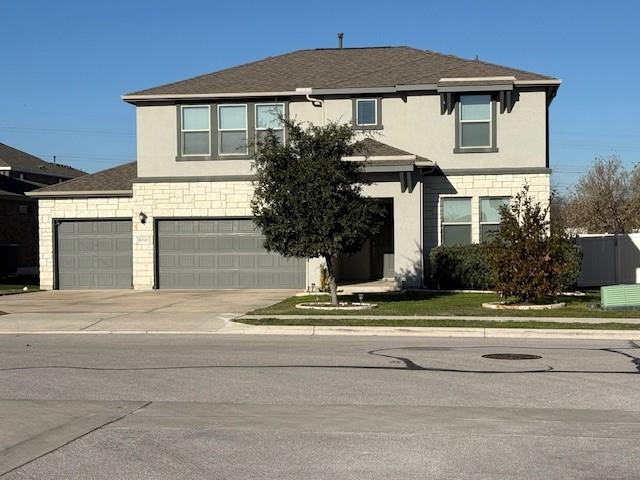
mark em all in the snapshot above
pixel 340 37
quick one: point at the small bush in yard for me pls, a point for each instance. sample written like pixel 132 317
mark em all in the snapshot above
pixel 461 267
pixel 324 279
pixel 531 261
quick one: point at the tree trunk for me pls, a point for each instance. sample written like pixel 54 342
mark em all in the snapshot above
pixel 332 280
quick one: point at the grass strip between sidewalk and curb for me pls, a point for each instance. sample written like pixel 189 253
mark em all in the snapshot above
pixel 387 322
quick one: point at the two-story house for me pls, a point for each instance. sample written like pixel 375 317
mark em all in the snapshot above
pixel 21 172
pixel 449 141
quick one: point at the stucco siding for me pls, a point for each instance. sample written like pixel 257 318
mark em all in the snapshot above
pixel 157 149
pixel 406 228
pixel 417 126
pixel 414 124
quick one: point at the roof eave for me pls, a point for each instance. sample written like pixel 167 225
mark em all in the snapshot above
pixel 133 98
pixel 374 158
pixel 303 91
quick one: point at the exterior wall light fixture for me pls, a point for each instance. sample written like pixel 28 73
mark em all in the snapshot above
pixel 143 217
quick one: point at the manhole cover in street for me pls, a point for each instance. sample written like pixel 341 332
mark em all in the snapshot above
pixel 511 356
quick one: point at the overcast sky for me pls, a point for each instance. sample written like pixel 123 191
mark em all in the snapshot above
pixel 64 64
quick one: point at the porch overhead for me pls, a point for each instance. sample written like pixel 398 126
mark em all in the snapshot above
pixel 378 157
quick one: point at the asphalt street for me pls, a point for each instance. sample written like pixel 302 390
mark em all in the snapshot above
pixel 245 407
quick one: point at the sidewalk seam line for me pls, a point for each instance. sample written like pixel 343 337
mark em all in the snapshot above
pixel 77 438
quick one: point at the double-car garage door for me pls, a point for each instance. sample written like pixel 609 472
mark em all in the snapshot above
pixel 221 253
pixel 202 253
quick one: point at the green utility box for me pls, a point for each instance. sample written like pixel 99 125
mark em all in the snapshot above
pixel 620 296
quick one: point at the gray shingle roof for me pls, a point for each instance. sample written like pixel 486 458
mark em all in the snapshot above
pixel 116 179
pixel 339 68
pixel 25 162
pixel 374 148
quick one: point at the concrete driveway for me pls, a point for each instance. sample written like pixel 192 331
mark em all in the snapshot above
pixel 129 310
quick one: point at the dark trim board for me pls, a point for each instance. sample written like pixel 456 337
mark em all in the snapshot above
pixel 156 266
pixel 79 194
pixel 219 178
pixel 495 171
pixel 54 262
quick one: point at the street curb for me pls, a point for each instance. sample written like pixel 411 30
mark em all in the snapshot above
pixel 304 330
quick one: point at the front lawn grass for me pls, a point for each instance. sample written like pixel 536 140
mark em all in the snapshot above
pixel 10 289
pixel 10 284
pixel 448 304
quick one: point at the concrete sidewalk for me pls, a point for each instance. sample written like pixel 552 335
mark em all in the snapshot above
pixel 183 324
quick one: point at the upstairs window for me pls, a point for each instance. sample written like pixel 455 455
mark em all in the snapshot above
pixel 366 112
pixel 475 121
pixel 232 129
pixel 269 117
pixel 456 221
pixel 490 217
pixel 196 130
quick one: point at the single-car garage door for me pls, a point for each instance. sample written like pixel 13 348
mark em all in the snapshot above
pixel 217 253
pixel 94 254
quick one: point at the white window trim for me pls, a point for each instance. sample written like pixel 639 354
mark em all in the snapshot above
pixel 489 121
pixel 266 104
pixel 493 197
pixel 443 223
pixel 191 130
pixel 375 106
pixel 245 130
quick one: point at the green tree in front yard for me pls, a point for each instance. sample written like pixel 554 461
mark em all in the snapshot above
pixel 530 260
pixel 308 202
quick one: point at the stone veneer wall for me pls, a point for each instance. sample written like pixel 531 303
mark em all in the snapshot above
pixel 224 199
pixel 180 199
pixel 156 200
pixel 72 208
pixel 475 187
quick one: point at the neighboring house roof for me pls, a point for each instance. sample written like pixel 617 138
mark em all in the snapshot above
pixel 116 181
pixel 12 187
pixel 25 162
pixel 335 68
